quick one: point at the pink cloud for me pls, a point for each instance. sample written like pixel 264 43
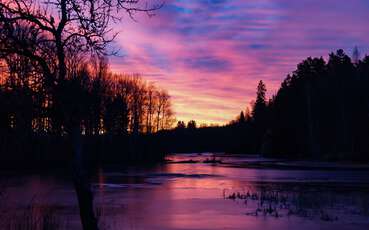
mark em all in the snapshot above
pixel 210 55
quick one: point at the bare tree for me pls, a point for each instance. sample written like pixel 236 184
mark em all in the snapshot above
pixel 149 107
pixel 163 98
pixel 46 32
pixel 150 104
pixel 168 115
pixel 137 102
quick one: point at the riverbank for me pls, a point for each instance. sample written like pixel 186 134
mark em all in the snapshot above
pixel 48 152
pixel 260 162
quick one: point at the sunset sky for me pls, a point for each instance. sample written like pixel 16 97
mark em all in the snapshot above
pixel 210 54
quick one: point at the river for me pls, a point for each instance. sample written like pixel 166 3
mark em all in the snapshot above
pixel 200 191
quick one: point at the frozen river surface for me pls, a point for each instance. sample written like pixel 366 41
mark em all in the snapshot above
pixel 198 191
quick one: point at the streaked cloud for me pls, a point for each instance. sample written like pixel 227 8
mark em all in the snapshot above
pixel 210 54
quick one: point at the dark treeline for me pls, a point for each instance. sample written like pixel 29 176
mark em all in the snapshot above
pixel 57 96
pixel 58 102
pixel 232 138
pixel 116 113
pixel 321 111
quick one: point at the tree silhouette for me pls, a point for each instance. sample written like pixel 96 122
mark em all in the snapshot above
pixel 248 115
pixel 51 32
pixel 258 112
pixel 242 118
pixel 181 125
pixel 191 125
pixel 319 109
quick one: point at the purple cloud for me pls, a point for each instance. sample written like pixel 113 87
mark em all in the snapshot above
pixel 210 54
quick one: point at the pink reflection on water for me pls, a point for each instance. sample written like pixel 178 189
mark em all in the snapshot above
pixel 174 197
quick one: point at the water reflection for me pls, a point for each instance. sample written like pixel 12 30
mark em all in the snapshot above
pixel 199 196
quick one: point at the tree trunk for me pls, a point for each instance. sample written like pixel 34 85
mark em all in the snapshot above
pixel 82 184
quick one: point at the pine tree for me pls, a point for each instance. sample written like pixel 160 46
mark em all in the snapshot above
pixel 258 112
pixel 241 119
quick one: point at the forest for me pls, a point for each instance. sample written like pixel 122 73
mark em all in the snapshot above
pixel 105 105
pixel 320 111
pixel 58 96
pixel 61 105
pixel 56 88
